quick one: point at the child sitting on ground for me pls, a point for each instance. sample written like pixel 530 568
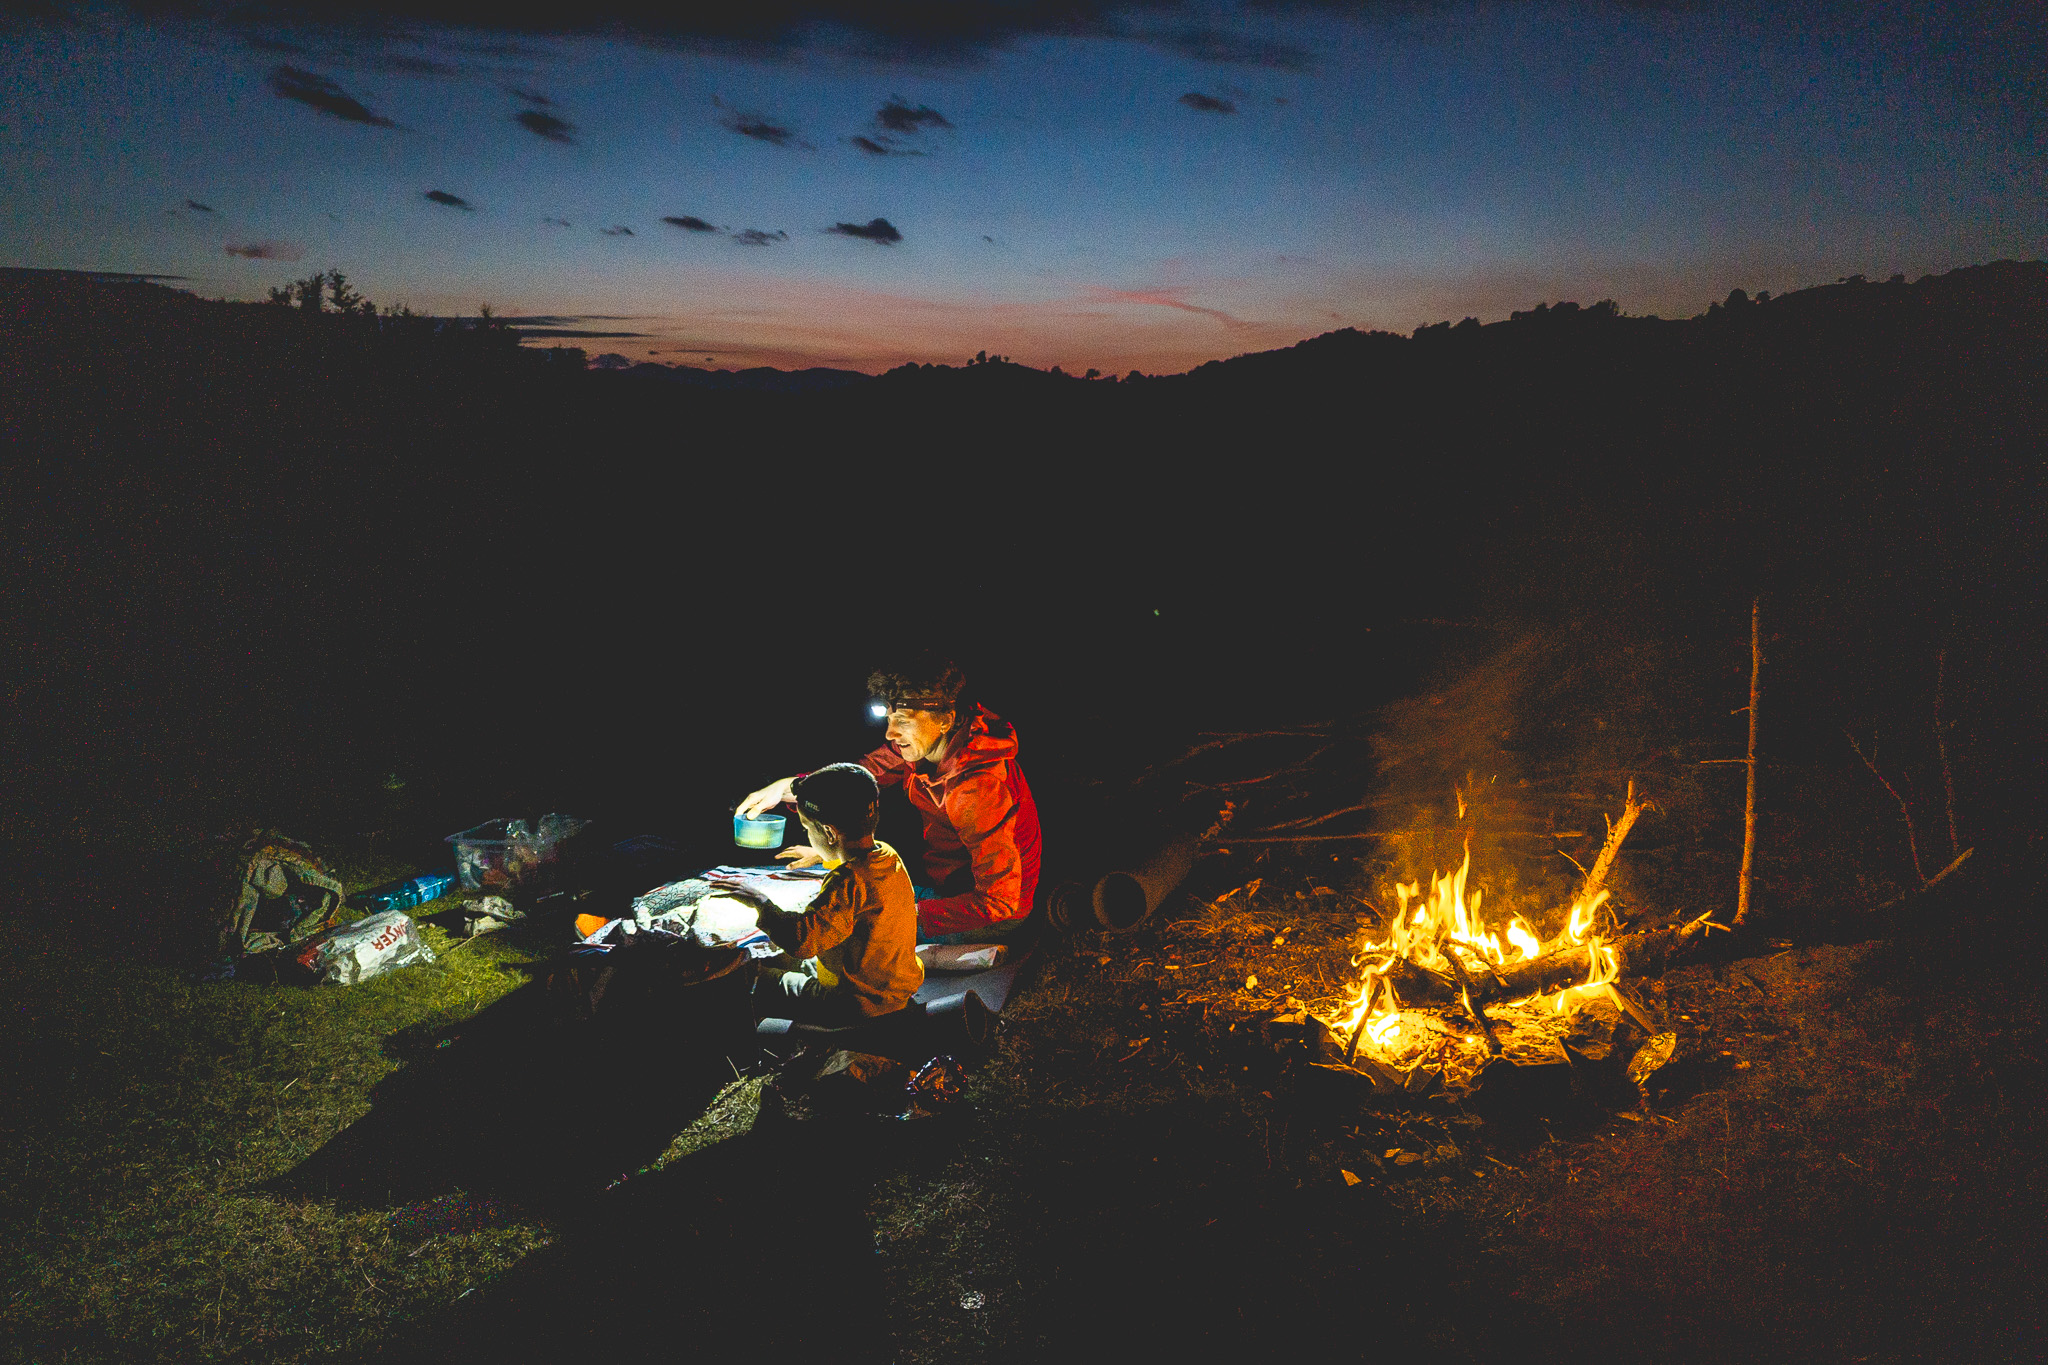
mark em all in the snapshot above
pixel 857 939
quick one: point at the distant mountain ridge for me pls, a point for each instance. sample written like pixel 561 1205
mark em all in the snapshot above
pixel 759 379
pixel 1847 316
pixel 1998 287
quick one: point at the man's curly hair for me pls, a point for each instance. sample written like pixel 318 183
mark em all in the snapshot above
pixel 924 679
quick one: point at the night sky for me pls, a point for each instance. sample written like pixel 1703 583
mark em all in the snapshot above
pixel 1146 186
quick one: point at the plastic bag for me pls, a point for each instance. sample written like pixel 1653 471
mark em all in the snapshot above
pixel 370 947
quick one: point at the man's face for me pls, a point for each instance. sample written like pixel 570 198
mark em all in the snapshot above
pixel 916 733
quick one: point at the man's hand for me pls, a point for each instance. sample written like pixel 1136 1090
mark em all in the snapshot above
pixel 766 799
pixel 801 855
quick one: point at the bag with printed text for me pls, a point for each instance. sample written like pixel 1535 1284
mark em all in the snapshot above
pixel 370 947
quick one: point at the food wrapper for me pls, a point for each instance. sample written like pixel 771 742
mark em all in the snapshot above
pixel 961 957
pixel 370 947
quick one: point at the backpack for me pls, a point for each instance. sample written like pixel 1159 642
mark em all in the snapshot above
pixel 279 894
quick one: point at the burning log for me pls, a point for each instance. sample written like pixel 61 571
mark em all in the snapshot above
pixel 1473 1007
pixel 1645 954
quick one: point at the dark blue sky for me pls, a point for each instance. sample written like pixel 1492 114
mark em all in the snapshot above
pixel 1148 186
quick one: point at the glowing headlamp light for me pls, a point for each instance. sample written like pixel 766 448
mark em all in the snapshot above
pixel 878 711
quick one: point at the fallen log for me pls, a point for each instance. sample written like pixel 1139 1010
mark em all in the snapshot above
pixel 1645 954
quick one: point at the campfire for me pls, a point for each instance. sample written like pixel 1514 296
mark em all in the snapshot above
pixel 1443 996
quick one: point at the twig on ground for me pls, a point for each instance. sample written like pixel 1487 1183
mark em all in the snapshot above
pixel 1319 819
pixel 1267 777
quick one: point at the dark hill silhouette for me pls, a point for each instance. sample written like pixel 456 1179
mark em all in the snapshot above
pixel 266 522
pixel 759 379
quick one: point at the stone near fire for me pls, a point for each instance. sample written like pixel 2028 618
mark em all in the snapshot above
pixel 1652 1055
pixel 1592 1033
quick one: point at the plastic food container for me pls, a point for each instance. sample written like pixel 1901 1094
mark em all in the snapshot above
pixel 507 855
pixel 763 831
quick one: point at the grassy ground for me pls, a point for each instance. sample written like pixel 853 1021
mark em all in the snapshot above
pixel 1843 1167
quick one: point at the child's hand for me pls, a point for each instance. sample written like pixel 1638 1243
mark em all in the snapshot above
pixel 741 888
pixel 801 855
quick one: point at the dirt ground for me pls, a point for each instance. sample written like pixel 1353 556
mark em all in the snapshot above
pixel 1842 1164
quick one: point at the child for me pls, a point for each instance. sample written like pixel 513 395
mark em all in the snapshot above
pixel 863 921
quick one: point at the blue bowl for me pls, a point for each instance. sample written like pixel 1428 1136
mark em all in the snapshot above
pixel 764 831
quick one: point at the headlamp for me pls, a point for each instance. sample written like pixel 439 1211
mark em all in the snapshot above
pixel 878 711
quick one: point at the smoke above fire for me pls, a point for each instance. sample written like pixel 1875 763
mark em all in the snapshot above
pixel 1518 756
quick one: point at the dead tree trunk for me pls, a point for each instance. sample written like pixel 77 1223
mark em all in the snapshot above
pixel 1948 782
pixel 1756 668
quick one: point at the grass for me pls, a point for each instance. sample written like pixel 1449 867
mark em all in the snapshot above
pixel 1139 1172
pixel 149 1114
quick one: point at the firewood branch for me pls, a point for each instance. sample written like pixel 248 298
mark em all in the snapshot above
pixel 1644 954
pixel 1617 830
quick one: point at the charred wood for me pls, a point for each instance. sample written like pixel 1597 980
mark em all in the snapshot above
pixel 1645 954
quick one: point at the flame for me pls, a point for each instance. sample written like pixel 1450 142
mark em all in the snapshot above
pixel 1426 930
pixel 1524 939
pixel 1603 966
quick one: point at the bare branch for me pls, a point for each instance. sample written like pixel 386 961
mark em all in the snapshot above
pixel 1961 858
pixel 1948 784
pixel 1912 843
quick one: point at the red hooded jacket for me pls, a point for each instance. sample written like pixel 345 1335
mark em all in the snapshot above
pixel 979 818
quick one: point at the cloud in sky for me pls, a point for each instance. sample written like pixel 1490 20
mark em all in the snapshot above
pixel 874 148
pixel 689 222
pixel 1992 49
pixel 757 237
pixel 197 207
pixel 896 121
pixel 556 222
pixel 317 92
pixel 529 97
pixel 1165 298
pixel 760 128
pixel 878 230
pixel 1207 104
pixel 898 117
pixel 1231 49
pixel 620 231
pixel 952 33
pixel 453 201
pixel 547 125
pixel 570 332
pixel 265 251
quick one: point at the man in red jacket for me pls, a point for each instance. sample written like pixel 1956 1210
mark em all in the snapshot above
pixel 956 761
